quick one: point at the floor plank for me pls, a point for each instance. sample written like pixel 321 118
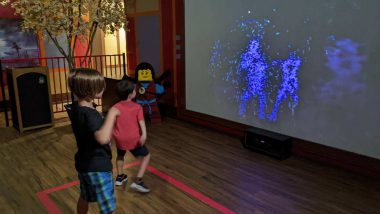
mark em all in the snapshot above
pixel 214 164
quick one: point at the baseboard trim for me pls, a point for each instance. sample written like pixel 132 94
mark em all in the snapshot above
pixel 225 126
pixel 349 161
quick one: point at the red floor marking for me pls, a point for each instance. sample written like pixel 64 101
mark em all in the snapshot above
pixel 53 209
pixel 48 203
pixel 64 186
pixel 190 191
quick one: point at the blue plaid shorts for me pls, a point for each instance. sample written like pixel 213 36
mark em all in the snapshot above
pixel 98 187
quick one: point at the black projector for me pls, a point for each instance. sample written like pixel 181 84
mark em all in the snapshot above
pixel 273 144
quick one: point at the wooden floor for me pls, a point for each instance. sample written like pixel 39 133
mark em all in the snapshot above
pixel 208 162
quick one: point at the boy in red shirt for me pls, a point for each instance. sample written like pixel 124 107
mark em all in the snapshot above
pixel 130 134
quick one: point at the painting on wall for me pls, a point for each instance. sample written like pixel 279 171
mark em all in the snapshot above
pixel 15 43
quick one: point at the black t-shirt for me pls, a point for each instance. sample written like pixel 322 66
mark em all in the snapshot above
pixel 91 156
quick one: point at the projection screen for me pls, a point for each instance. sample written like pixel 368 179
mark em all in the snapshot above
pixel 307 69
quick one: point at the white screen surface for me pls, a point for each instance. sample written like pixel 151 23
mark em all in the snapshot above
pixel 307 69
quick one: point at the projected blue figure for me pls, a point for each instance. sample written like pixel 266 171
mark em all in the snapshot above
pixel 262 83
pixel 345 62
pixel 215 60
pixel 343 58
pixel 289 84
pixel 253 62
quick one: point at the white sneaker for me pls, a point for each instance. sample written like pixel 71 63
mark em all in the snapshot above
pixel 140 187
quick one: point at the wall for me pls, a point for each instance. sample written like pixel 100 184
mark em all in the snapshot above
pixel 138 6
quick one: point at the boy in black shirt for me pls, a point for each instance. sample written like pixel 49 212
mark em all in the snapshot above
pixel 92 134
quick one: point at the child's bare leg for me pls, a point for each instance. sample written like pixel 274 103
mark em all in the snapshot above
pixel 120 161
pixel 138 183
pixel 121 178
pixel 119 165
pixel 82 206
pixel 144 164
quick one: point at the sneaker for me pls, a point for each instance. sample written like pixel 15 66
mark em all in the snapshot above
pixel 121 179
pixel 140 187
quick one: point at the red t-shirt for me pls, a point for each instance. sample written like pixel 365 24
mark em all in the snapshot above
pixel 127 129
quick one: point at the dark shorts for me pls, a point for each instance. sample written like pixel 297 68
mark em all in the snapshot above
pixel 141 151
pixel 98 187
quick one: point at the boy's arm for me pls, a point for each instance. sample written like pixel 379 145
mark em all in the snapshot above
pixel 143 132
pixel 104 134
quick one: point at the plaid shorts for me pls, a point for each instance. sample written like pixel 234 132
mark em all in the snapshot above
pixel 98 187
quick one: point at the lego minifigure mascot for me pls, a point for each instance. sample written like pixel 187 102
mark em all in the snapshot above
pixel 148 91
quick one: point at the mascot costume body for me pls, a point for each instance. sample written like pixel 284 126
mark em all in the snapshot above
pixel 148 91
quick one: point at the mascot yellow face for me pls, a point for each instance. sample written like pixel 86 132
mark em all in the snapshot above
pixel 145 75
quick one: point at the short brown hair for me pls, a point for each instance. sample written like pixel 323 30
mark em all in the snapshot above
pixel 124 88
pixel 85 83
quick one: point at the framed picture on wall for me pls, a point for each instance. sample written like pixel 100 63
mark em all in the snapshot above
pixel 16 44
